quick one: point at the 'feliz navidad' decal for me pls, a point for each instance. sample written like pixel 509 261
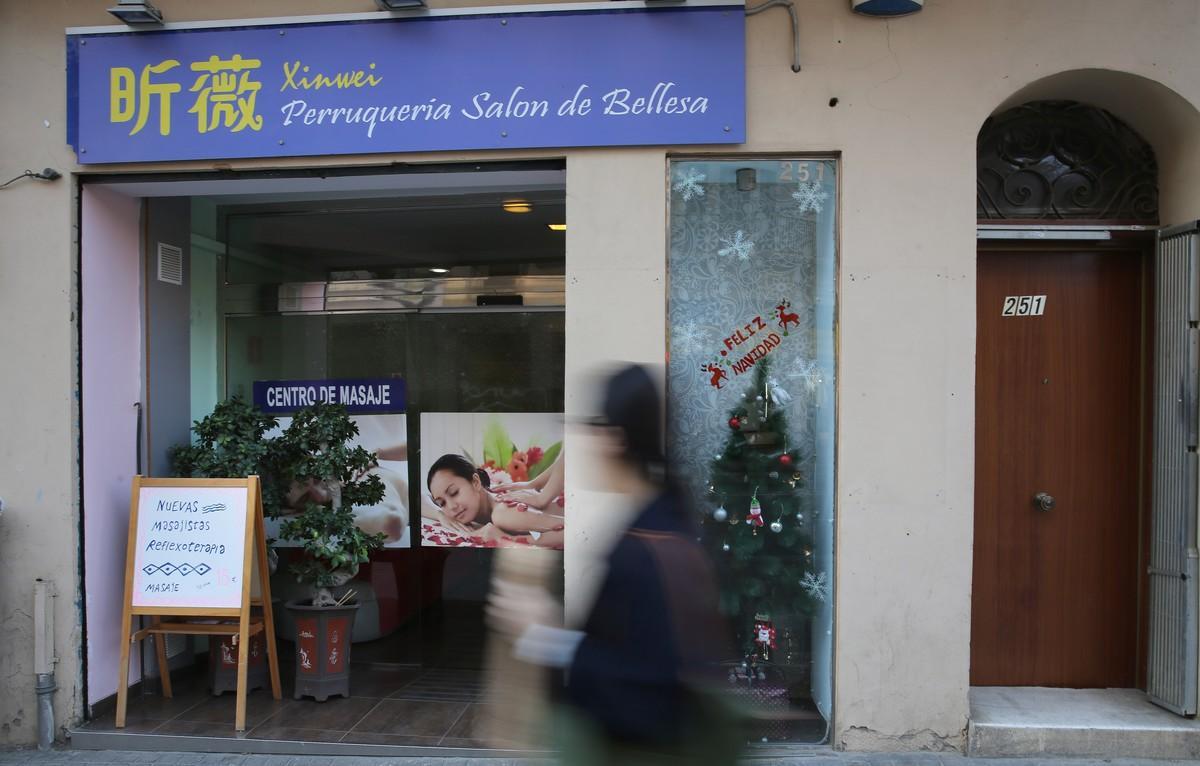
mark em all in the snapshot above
pixel 750 343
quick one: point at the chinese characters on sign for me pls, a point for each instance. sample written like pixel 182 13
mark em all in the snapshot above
pixel 126 100
pixel 225 95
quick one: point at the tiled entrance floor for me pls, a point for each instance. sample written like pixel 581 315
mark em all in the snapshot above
pixel 388 707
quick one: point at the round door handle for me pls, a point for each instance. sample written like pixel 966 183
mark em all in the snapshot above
pixel 1044 501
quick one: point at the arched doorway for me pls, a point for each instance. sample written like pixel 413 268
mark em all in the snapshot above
pixel 1063 398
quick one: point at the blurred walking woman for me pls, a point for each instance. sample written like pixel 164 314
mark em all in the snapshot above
pixel 637 688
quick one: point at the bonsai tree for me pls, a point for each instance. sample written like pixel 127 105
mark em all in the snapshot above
pixel 310 470
pixel 326 478
pixel 232 442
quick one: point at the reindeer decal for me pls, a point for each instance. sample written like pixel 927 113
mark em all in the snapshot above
pixel 718 374
pixel 786 317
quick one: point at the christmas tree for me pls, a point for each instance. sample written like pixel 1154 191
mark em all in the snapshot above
pixel 757 526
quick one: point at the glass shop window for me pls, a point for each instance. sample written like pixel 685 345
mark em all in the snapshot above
pixel 751 403
pixel 453 284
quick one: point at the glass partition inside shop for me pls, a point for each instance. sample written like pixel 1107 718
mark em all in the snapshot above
pixel 451 286
pixel 751 405
pixel 507 366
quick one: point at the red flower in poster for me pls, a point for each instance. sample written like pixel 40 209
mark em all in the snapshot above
pixel 518 466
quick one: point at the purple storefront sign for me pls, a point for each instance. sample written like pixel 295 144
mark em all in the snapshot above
pixel 511 80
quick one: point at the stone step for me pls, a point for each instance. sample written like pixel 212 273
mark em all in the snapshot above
pixel 1105 723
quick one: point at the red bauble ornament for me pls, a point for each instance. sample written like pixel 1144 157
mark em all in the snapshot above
pixel 735 424
pixel 785 460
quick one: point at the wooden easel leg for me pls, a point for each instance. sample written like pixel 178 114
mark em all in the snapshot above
pixel 164 666
pixel 123 675
pixel 243 665
pixel 127 606
pixel 264 587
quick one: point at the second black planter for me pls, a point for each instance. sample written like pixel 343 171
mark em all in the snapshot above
pixel 322 649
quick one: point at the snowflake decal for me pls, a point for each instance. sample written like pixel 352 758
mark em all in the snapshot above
pixel 810 196
pixel 809 373
pixel 687 336
pixel 816 585
pixel 736 246
pixel 688 185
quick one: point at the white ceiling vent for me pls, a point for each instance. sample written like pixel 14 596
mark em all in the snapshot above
pixel 170 264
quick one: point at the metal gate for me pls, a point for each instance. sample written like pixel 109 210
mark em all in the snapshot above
pixel 1172 680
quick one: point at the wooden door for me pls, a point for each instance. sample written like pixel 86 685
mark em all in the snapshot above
pixel 1058 410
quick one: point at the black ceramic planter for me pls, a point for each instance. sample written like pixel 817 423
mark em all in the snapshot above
pixel 322 649
pixel 223 664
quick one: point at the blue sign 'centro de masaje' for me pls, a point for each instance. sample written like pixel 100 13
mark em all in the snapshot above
pixel 357 395
pixel 556 79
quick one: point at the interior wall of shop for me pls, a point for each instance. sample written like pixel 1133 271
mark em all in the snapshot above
pixel 206 361
pixel 168 352
pixel 911 94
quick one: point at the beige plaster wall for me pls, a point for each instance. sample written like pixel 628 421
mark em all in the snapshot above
pixel 911 96
pixel 38 415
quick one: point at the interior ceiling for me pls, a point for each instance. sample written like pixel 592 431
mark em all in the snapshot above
pixel 399 232
pixel 418 216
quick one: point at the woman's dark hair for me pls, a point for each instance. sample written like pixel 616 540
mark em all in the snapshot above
pixel 630 403
pixel 460 467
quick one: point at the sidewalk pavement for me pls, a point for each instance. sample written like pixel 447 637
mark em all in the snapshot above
pixel 64 757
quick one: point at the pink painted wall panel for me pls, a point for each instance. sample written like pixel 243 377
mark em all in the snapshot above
pixel 111 358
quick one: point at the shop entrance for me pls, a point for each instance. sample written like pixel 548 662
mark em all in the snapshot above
pixel 443 283
pixel 1058 450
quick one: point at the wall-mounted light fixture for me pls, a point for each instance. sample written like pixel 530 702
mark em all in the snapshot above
pixel 135 12
pixel 886 7
pixel 517 205
pixel 399 5
pixel 46 174
pixel 556 226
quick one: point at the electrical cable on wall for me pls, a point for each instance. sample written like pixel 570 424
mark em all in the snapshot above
pixel 46 174
pixel 791 9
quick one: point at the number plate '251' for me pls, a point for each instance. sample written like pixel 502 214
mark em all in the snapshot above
pixel 1023 306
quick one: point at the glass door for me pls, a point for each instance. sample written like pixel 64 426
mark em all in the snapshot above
pixel 751 415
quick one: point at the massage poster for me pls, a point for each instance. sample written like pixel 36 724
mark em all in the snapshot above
pixel 492 480
pixel 386 436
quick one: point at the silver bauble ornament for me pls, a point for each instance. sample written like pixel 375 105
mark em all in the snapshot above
pixel 721 514
pixel 776 527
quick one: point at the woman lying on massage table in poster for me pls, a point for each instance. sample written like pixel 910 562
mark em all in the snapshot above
pixel 466 504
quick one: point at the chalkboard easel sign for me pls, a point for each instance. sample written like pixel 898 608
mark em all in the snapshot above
pixel 192 548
